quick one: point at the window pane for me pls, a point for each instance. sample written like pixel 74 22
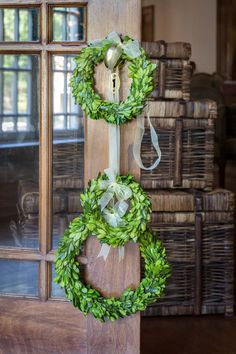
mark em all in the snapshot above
pixel 19 151
pixel 24 82
pixel 56 290
pixel 18 277
pixel 68 148
pixel 68 24
pixel 19 24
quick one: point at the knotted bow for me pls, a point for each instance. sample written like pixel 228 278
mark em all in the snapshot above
pixel 130 48
pixel 114 218
pixel 114 190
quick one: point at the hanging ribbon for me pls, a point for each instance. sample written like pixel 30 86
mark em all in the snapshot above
pixel 114 129
pixel 131 48
pixel 105 249
pixel 113 189
pixel 138 141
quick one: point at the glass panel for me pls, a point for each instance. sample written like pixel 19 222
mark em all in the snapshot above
pixel 68 148
pixel 19 150
pixel 68 24
pixel 18 277
pixel 56 290
pixel 19 24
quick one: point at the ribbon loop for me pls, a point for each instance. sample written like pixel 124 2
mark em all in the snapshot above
pixel 114 190
pixel 138 142
pixel 105 249
pixel 131 48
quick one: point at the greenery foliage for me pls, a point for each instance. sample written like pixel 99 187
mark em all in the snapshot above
pixel 90 300
pixel 82 82
pixel 135 220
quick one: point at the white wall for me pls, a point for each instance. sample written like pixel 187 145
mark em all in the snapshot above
pixel 191 21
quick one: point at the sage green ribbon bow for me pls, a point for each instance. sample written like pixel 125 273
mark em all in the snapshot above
pixel 114 190
pixel 130 48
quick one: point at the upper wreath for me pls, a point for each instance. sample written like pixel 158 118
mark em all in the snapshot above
pixel 141 71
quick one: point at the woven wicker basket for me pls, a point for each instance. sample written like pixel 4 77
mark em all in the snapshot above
pixel 186 138
pixel 161 49
pixel 173 73
pixel 63 200
pixel 172 79
pixel 197 229
pixel 28 229
pixel 68 165
pixel 28 198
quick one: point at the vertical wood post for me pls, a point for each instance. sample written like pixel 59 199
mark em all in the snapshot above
pixel 112 276
pixel 198 257
pixel 178 152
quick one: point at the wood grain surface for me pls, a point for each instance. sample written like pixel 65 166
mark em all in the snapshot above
pixel 30 326
pixel 47 328
pixel 121 337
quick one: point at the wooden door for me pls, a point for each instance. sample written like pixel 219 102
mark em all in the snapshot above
pixel 48 152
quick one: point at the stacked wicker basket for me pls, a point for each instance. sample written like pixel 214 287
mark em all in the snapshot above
pixel 195 222
pixel 67 184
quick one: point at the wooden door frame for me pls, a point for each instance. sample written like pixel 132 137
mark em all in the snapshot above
pixel 122 336
pixel 224 49
pixel 45 49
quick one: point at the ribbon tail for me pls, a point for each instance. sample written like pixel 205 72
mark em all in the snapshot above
pixel 105 200
pixel 104 251
pixel 123 192
pixel 138 141
pixel 114 150
pixel 114 129
pixel 121 251
pixel 121 208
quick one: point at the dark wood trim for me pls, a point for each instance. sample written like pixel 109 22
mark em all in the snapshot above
pixel 198 264
pixel 43 280
pixel 32 47
pixel 26 3
pixel 162 74
pixel 21 254
pixel 224 46
pixel 32 255
pixel 178 152
pixel 15 4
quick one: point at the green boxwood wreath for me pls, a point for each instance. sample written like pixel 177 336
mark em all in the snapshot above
pixel 82 82
pixel 135 220
pixel 90 300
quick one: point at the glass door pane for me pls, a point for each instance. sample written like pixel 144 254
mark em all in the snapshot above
pixel 68 24
pixel 19 24
pixel 19 150
pixel 68 148
pixel 18 277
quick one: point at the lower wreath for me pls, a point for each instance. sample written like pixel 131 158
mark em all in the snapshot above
pixel 88 299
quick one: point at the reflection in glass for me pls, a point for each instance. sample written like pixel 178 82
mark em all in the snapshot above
pixel 19 24
pixel 68 147
pixel 18 277
pixel 56 290
pixel 68 24
pixel 19 149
